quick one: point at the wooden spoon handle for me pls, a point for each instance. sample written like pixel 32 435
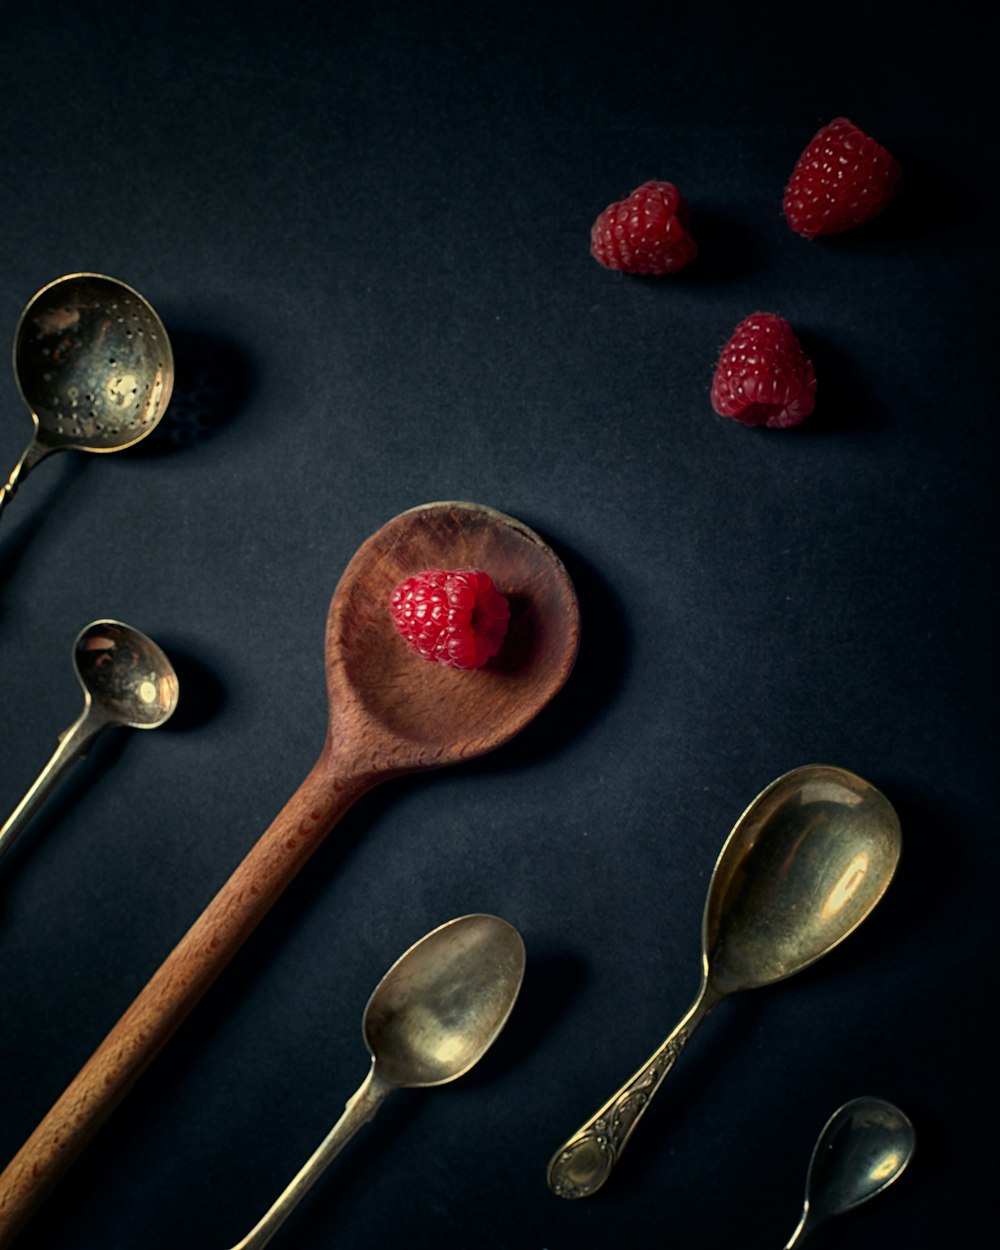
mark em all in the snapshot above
pixel 174 989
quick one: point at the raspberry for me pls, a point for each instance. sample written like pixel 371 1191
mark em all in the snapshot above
pixel 842 179
pixel 763 376
pixel 647 233
pixel 457 618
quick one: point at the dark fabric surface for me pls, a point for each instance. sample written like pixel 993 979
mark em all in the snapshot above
pixel 366 229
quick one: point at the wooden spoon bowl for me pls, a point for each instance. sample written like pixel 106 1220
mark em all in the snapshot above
pixel 391 712
pixel 425 715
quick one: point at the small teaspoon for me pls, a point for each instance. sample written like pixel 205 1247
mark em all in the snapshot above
pixel 864 1147
pixel 126 680
pixel 430 1019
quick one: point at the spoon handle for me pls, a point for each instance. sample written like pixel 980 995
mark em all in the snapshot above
pixel 798 1237
pixel 33 453
pixel 359 1110
pixel 583 1163
pixel 74 743
pixel 175 988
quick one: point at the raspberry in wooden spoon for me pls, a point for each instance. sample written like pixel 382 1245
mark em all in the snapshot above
pixel 457 618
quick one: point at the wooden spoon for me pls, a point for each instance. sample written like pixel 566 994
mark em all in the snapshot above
pixel 390 713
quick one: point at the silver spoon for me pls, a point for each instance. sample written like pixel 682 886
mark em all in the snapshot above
pixel 863 1148
pixel 803 867
pixel 433 1015
pixel 126 680
pixel 94 365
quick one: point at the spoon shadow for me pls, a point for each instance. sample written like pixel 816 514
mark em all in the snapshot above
pixel 18 532
pixel 62 802
pixel 552 980
pixel 599 675
pixel 213 379
pixel 352 1170
pixel 203 693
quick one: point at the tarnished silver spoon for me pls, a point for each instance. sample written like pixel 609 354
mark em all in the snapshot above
pixel 804 865
pixel 433 1016
pixel 126 680
pixel 864 1146
pixel 94 365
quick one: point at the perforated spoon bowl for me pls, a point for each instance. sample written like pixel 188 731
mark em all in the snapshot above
pixel 430 1019
pixel 864 1146
pixel 126 680
pixel 803 867
pixel 94 366
pixel 390 713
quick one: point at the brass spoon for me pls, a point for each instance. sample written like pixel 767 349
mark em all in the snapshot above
pixel 126 680
pixel 864 1146
pixel 390 713
pixel 805 864
pixel 94 365
pixel 433 1015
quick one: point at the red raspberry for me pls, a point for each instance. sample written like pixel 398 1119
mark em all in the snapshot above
pixel 842 179
pixel 456 618
pixel 647 233
pixel 763 376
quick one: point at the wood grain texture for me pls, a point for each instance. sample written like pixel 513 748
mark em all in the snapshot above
pixel 390 713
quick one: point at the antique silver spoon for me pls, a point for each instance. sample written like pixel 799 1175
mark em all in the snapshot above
pixel 864 1146
pixel 94 365
pixel 433 1015
pixel 805 864
pixel 126 680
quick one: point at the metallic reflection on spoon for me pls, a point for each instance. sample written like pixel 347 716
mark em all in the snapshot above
pixel 126 680
pixel 433 1016
pixel 803 867
pixel 95 367
pixel 864 1146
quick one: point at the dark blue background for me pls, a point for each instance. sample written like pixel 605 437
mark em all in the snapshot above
pixel 366 228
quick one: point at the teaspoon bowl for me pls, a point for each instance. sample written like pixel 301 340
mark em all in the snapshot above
pixel 803 867
pixel 863 1148
pixel 125 675
pixel 127 682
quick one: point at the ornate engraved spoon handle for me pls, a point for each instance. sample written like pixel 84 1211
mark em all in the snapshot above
pixel 581 1166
